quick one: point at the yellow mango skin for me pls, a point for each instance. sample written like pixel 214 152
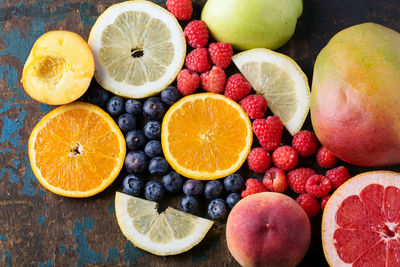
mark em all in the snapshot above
pixel 355 95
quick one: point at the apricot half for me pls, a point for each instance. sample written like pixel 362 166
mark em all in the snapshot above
pixel 59 68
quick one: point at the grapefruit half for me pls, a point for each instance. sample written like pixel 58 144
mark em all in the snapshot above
pixel 361 222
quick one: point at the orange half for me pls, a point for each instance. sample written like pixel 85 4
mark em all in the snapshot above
pixel 76 150
pixel 206 136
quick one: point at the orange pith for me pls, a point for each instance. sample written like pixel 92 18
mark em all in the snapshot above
pixel 206 136
pixel 76 150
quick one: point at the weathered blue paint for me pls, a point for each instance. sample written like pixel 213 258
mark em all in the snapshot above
pixel 200 254
pixel 7 258
pixel 111 206
pixel 62 249
pixel 41 219
pixel 49 263
pixel 66 232
pixel 45 108
pixel 3 238
pixel 131 253
pixel 28 179
pixel 112 254
pixel 84 13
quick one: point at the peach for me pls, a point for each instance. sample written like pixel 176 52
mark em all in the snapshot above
pixel 268 229
pixel 355 95
pixel 59 68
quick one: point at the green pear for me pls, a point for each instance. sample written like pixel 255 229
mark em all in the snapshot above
pixel 247 24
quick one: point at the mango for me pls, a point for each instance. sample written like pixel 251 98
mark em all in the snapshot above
pixel 355 95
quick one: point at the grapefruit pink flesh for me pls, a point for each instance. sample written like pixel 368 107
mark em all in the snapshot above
pixel 366 227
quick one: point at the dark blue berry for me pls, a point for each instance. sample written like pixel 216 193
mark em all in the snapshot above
pixel 135 139
pixel 213 189
pixel 152 130
pixel 153 149
pixel 189 203
pixel 115 105
pixel 126 122
pixel 172 182
pixel 97 96
pixel 133 185
pixel 153 109
pixel 192 187
pixel 133 106
pixel 217 209
pixel 234 183
pixel 158 166
pixel 232 199
pixel 136 161
pixel 170 95
pixel 153 190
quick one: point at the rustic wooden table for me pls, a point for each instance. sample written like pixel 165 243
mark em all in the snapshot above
pixel 38 228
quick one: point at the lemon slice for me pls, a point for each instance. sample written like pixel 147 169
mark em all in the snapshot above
pixel 281 81
pixel 138 48
pixel 168 233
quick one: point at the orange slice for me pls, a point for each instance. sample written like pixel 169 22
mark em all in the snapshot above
pixel 76 150
pixel 206 136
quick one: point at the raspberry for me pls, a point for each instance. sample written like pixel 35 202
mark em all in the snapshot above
pixel 253 186
pixel 318 185
pixel 268 132
pixel 338 176
pixel 237 87
pixel 255 106
pixel 325 158
pixel 305 142
pixel 220 54
pixel 309 204
pixel 196 33
pixel 182 9
pixel 285 158
pixel 324 200
pixel 187 82
pixel 275 180
pixel 297 179
pixel 198 61
pixel 214 80
pixel 258 160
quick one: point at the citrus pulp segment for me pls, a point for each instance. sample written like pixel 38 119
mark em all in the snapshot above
pixel 281 81
pixel 168 233
pixel 138 47
pixel 76 150
pixel 361 221
pixel 206 136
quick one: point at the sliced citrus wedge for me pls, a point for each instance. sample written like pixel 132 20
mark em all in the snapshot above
pixel 168 233
pixel 76 150
pixel 206 136
pixel 138 48
pixel 281 81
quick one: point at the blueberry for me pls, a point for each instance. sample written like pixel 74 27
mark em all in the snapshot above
pixel 172 182
pixel 153 190
pixel 158 166
pixel 126 122
pixel 152 130
pixel 170 95
pixel 213 189
pixel 234 183
pixel 153 149
pixel 133 185
pixel 136 161
pixel 217 209
pixel 189 204
pixel 133 106
pixel 97 96
pixel 115 105
pixel 192 187
pixel 135 139
pixel 232 199
pixel 153 109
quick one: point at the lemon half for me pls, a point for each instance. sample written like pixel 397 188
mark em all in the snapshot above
pixel 281 81
pixel 138 48
pixel 168 233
